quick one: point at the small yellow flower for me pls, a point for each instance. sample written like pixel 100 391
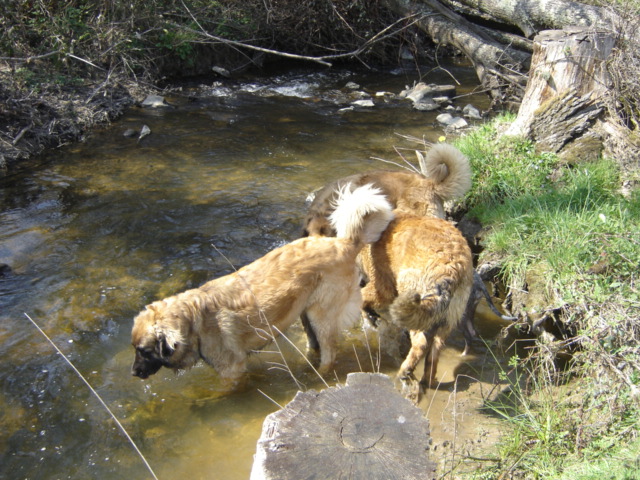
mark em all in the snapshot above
pixel 442 138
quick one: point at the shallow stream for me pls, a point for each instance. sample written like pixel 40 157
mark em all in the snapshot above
pixel 93 232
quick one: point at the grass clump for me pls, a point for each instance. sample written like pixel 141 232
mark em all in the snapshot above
pixel 559 430
pixel 572 227
pixel 570 222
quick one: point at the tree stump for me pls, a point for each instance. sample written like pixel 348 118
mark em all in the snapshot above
pixel 363 430
pixel 566 90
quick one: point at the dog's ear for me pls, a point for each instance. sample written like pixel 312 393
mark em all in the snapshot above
pixel 163 348
pixel 168 340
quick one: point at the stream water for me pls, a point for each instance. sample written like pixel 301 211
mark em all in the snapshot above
pixel 94 231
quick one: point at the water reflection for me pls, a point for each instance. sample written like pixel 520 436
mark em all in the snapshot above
pixel 99 229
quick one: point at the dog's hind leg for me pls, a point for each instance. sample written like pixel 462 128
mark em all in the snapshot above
pixel 432 355
pixel 419 347
pixel 323 328
pixel 467 325
pixel 312 339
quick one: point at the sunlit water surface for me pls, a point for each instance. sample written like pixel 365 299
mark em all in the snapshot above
pixel 97 230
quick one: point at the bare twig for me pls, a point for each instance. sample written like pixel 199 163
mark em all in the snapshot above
pixel 31 58
pixel 21 134
pixel 269 398
pixel 323 60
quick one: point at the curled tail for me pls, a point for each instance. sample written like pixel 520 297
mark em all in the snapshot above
pixel 361 215
pixel 449 168
pixel 439 307
pixel 414 312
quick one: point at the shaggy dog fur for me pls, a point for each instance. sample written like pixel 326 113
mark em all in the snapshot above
pixel 420 276
pixel 448 177
pixel 222 321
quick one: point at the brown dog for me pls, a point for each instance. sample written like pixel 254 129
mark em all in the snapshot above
pixel 225 319
pixel 420 276
pixel 448 176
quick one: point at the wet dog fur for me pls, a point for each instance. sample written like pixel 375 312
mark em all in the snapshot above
pixel 420 276
pixel 225 319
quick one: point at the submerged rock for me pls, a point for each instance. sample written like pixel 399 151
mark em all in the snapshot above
pixel 450 121
pixel 426 105
pixel 144 132
pixel 364 103
pixel 422 91
pixel 223 72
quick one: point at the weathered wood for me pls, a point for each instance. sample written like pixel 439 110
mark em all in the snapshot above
pixel 566 86
pixel 497 65
pixel 532 16
pixel 363 430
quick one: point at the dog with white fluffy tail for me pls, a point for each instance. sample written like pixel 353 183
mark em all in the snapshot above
pixel 225 319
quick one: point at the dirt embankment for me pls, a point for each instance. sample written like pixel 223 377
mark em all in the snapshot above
pixel 51 115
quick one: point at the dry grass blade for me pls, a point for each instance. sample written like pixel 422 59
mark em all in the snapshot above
pixel 115 419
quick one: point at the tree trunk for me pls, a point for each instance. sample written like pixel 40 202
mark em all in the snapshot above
pixel 532 16
pixel 566 89
pixel 499 67
pixel 363 430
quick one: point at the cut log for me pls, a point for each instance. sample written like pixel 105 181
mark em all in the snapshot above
pixel 566 88
pixel 363 430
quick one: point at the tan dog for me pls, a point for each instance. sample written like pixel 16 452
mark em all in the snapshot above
pixel 225 319
pixel 420 276
pixel 448 176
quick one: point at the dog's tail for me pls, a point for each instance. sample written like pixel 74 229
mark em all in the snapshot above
pixel 448 168
pixel 430 311
pixel 361 215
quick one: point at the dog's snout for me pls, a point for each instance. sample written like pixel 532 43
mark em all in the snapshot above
pixel 136 372
pixel 143 367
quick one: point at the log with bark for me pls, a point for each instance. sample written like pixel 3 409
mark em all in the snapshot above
pixel 494 36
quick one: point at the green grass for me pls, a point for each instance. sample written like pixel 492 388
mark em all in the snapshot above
pixel 549 422
pixel 565 228
pixel 570 228
pixel 621 463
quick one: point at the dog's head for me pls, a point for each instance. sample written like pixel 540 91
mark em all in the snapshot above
pixel 155 340
pixel 318 226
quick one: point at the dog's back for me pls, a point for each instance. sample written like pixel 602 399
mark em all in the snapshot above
pixel 448 176
pixel 421 271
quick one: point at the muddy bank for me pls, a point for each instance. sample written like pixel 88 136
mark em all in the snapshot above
pixel 50 115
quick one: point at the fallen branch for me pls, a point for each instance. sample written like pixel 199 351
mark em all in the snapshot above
pixel 323 59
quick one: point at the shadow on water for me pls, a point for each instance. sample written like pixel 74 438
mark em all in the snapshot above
pixel 97 230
